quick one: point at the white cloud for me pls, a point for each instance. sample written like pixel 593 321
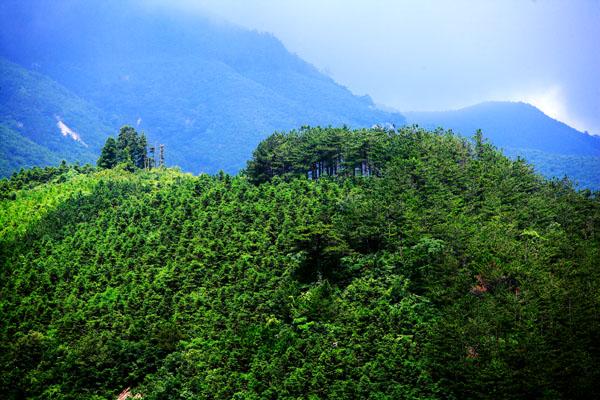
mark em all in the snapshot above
pixel 550 101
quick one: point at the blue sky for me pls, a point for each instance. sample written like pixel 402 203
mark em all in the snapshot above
pixel 437 55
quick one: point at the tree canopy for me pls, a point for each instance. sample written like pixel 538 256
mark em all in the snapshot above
pixel 130 149
pixel 341 264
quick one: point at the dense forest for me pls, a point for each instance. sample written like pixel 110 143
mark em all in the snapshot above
pixel 339 264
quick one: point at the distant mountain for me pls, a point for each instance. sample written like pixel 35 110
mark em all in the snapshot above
pixel 42 122
pixel 208 90
pixel 521 129
pixel 512 125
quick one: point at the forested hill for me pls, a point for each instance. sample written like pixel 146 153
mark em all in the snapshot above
pixel 520 129
pixel 413 265
pixel 208 90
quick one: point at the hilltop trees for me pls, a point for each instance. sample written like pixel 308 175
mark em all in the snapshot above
pixel 129 149
pixel 109 155
pixel 319 152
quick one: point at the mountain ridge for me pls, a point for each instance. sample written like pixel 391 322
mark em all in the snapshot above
pixel 209 91
pixel 502 122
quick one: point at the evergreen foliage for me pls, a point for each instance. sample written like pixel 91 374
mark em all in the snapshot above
pixel 520 129
pixel 30 178
pixel 319 152
pixel 130 149
pixel 450 272
pixel 109 154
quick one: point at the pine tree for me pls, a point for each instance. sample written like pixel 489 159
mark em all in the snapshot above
pixel 129 148
pixel 141 151
pixel 108 157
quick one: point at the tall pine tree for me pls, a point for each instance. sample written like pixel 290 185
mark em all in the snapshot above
pixel 130 148
pixel 108 157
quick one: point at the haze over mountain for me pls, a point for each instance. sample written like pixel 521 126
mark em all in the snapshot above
pixel 441 55
pixel 208 90
pixel 512 125
pixel 520 129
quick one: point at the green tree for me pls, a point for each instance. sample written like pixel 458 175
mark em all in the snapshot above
pixel 108 156
pixel 129 149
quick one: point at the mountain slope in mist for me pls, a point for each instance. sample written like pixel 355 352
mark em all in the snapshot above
pixel 208 90
pixel 42 122
pixel 512 125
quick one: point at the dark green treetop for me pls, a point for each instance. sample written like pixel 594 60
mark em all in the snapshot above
pixel 108 157
pixel 130 148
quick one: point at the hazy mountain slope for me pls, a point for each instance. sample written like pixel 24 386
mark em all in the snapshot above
pixel 210 91
pixel 43 122
pixel 512 125
pixel 521 129
pixel 583 170
pixel 17 151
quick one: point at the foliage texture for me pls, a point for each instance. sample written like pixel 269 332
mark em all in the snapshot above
pixel 410 265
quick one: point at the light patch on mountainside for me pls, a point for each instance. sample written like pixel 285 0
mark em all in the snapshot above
pixel 550 101
pixel 66 131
